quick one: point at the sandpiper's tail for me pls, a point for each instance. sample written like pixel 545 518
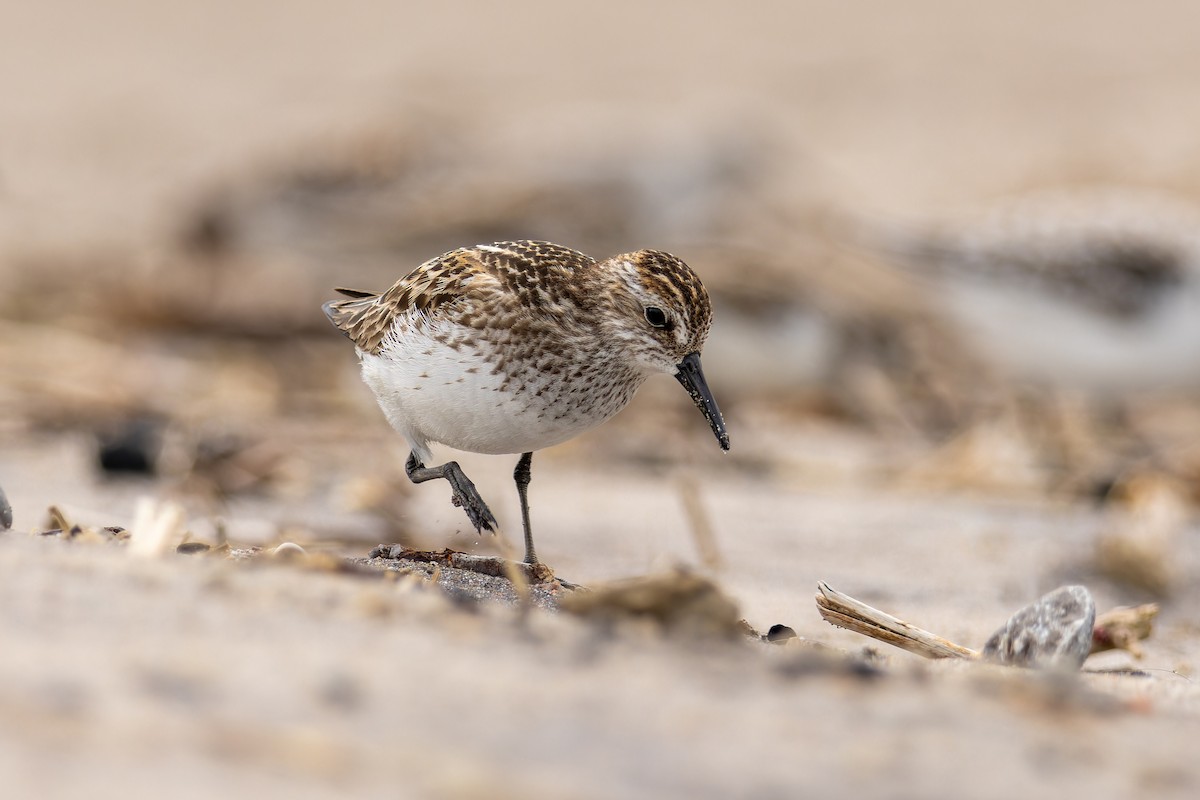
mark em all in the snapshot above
pixel 345 313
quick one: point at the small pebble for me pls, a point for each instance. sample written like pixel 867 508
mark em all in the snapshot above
pixel 780 633
pixel 287 550
pixel 5 512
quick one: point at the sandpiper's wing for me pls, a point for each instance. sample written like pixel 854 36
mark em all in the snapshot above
pixel 438 284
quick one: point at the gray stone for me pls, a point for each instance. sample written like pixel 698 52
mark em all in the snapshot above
pixel 1053 633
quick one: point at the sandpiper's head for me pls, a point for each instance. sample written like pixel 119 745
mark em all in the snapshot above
pixel 662 316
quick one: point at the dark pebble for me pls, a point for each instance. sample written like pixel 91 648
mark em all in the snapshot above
pixel 131 449
pixel 780 633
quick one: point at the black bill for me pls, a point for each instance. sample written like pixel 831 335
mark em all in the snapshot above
pixel 692 378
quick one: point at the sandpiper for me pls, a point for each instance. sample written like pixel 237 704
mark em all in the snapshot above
pixel 5 512
pixel 516 346
pixel 1094 290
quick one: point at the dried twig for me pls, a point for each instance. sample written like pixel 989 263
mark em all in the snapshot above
pixel 157 528
pixel 845 612
pixel 699 523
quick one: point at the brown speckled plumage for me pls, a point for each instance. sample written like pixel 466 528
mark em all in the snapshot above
pixel 528 279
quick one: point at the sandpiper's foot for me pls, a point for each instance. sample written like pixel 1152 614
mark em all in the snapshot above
pixel 467 498
pixel 465 495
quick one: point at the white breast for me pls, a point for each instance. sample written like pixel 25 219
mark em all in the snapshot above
pixel 431 391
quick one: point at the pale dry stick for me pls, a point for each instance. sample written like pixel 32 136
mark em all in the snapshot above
pixel 158 528
pixel 844 611
pixel 699 523
pixel 518 577
pixel 58 519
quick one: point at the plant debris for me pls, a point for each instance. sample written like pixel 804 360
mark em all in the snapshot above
pixel 679 602
pixel 1122 628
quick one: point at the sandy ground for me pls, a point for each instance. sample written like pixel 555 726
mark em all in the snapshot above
pixel 197 676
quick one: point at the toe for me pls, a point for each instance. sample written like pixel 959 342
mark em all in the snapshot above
pixel 482 518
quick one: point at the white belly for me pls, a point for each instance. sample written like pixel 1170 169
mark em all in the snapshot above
pixel 432 392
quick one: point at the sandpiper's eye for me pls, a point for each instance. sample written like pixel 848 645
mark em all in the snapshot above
pixel 656 317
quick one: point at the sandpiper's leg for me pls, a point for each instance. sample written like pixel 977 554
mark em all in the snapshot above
pixel 465 494
pixel 522 475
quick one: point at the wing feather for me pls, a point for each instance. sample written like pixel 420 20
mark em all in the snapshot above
pixel 472 273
